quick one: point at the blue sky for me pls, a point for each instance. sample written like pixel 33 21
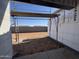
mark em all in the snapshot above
pixel 31 21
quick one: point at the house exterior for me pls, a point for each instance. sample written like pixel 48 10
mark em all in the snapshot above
pixel 68 27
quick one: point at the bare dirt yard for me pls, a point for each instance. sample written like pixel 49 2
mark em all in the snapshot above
pixel 30 35
pixel 34 42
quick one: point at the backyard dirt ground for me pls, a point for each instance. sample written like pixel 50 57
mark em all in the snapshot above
pixel 34 42
pixel 30 35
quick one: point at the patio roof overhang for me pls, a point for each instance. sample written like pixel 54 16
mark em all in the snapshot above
pixel 62 4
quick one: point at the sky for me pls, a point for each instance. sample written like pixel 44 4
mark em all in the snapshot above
pixel 31 21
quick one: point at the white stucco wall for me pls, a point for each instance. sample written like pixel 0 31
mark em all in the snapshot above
pixel 52 29
pixel 68 30
pixel 5 35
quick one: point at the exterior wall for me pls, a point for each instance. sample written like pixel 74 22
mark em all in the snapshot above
pixel 49 28
pixel 5 35
pixel 52 28
pixel 68 29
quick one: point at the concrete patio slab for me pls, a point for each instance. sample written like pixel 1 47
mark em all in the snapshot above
pixel 61 53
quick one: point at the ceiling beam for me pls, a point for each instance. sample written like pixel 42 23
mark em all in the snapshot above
pixel 30 14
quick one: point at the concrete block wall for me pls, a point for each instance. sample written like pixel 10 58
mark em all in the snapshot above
pixel 68 29
pixel 5 34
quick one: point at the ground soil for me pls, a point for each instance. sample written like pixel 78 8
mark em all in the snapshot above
pixel 34 43
pixel 30 35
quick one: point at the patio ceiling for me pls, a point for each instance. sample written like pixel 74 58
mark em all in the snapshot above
pixel 62 4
